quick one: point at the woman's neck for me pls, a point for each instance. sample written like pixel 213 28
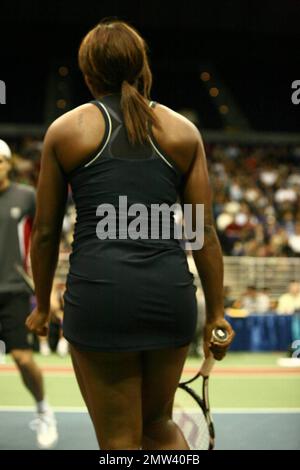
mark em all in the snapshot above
pixel 99 96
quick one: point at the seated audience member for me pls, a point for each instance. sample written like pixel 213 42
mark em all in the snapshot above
pixel 289 302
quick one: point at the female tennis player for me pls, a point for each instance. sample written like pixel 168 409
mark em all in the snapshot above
pixel 130 304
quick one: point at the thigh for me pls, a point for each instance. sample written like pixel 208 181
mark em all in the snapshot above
pixel 13 312
pixel 162 370
pixel 22 357
pixel 112 391
pixel 80 381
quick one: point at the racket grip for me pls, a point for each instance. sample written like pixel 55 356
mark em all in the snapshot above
pixel 207 366
pixel 219 335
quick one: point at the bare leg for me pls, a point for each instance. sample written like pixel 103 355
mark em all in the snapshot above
pixel 30 372
pixel 80 381
pixel 111 387
pixel 161 374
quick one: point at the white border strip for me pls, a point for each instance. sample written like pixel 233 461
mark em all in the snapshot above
pixel 108 136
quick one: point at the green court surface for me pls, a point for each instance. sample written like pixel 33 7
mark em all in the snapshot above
pixel 242 380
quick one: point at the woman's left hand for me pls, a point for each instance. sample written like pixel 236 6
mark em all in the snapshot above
pixel 38 322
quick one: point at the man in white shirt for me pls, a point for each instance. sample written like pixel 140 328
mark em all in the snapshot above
pixel 289 303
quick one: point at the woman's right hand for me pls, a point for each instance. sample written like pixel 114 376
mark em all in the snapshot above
pixel 217 349
pixel 38 322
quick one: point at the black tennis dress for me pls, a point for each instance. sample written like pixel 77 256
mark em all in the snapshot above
pixel 126 294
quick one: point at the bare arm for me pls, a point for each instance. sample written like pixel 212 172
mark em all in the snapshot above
pixel 51 201
pixel 68 141
pixel 208 260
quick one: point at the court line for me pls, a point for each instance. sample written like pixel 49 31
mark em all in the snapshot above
pixel 246 370
pixel 82 409
pixel 227 376
pixel 256 410
pixel 255 377
pixel 57 409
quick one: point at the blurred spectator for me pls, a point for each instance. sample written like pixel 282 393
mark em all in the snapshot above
pixel 263 301
pixel 289 303
pixel 228 300
pixel 268 175
pixel 285 195
pixel 294 240
pixel 255 301
pixel 248 301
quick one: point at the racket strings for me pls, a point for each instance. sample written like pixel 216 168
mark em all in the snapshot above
pixel 194 426
pixel 193 415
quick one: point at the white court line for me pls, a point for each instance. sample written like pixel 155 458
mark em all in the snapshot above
pixel 57 409
pixel 255 410
pixel 225 376
pixel 15 373
pixel 271 375
pixel 81 409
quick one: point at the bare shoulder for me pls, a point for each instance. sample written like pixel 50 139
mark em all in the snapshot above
pixel 179 127
pixel 76 134
pixel 177 136
pixel 75 120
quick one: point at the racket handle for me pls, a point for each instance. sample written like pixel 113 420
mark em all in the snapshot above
pixel 219 335
pixel 207 366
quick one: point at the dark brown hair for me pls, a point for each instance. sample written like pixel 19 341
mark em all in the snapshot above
pixel 113 57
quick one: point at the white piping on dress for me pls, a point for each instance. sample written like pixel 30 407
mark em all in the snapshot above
pixel 156 149
pixel 158 152
pixel 107 139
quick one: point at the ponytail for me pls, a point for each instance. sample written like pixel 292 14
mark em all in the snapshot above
pixel 113 56
pixel 138 115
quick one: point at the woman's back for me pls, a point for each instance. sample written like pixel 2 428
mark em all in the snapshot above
pixel 133 271
pixel 130 305
pixel 107 186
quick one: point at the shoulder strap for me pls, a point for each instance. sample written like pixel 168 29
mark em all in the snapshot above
pixel 158 150
pixel 108 130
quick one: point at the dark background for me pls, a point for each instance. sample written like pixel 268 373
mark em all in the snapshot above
pixel 252 46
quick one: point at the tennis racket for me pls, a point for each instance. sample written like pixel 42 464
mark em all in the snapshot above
pixel 195 421
pixel 26 278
